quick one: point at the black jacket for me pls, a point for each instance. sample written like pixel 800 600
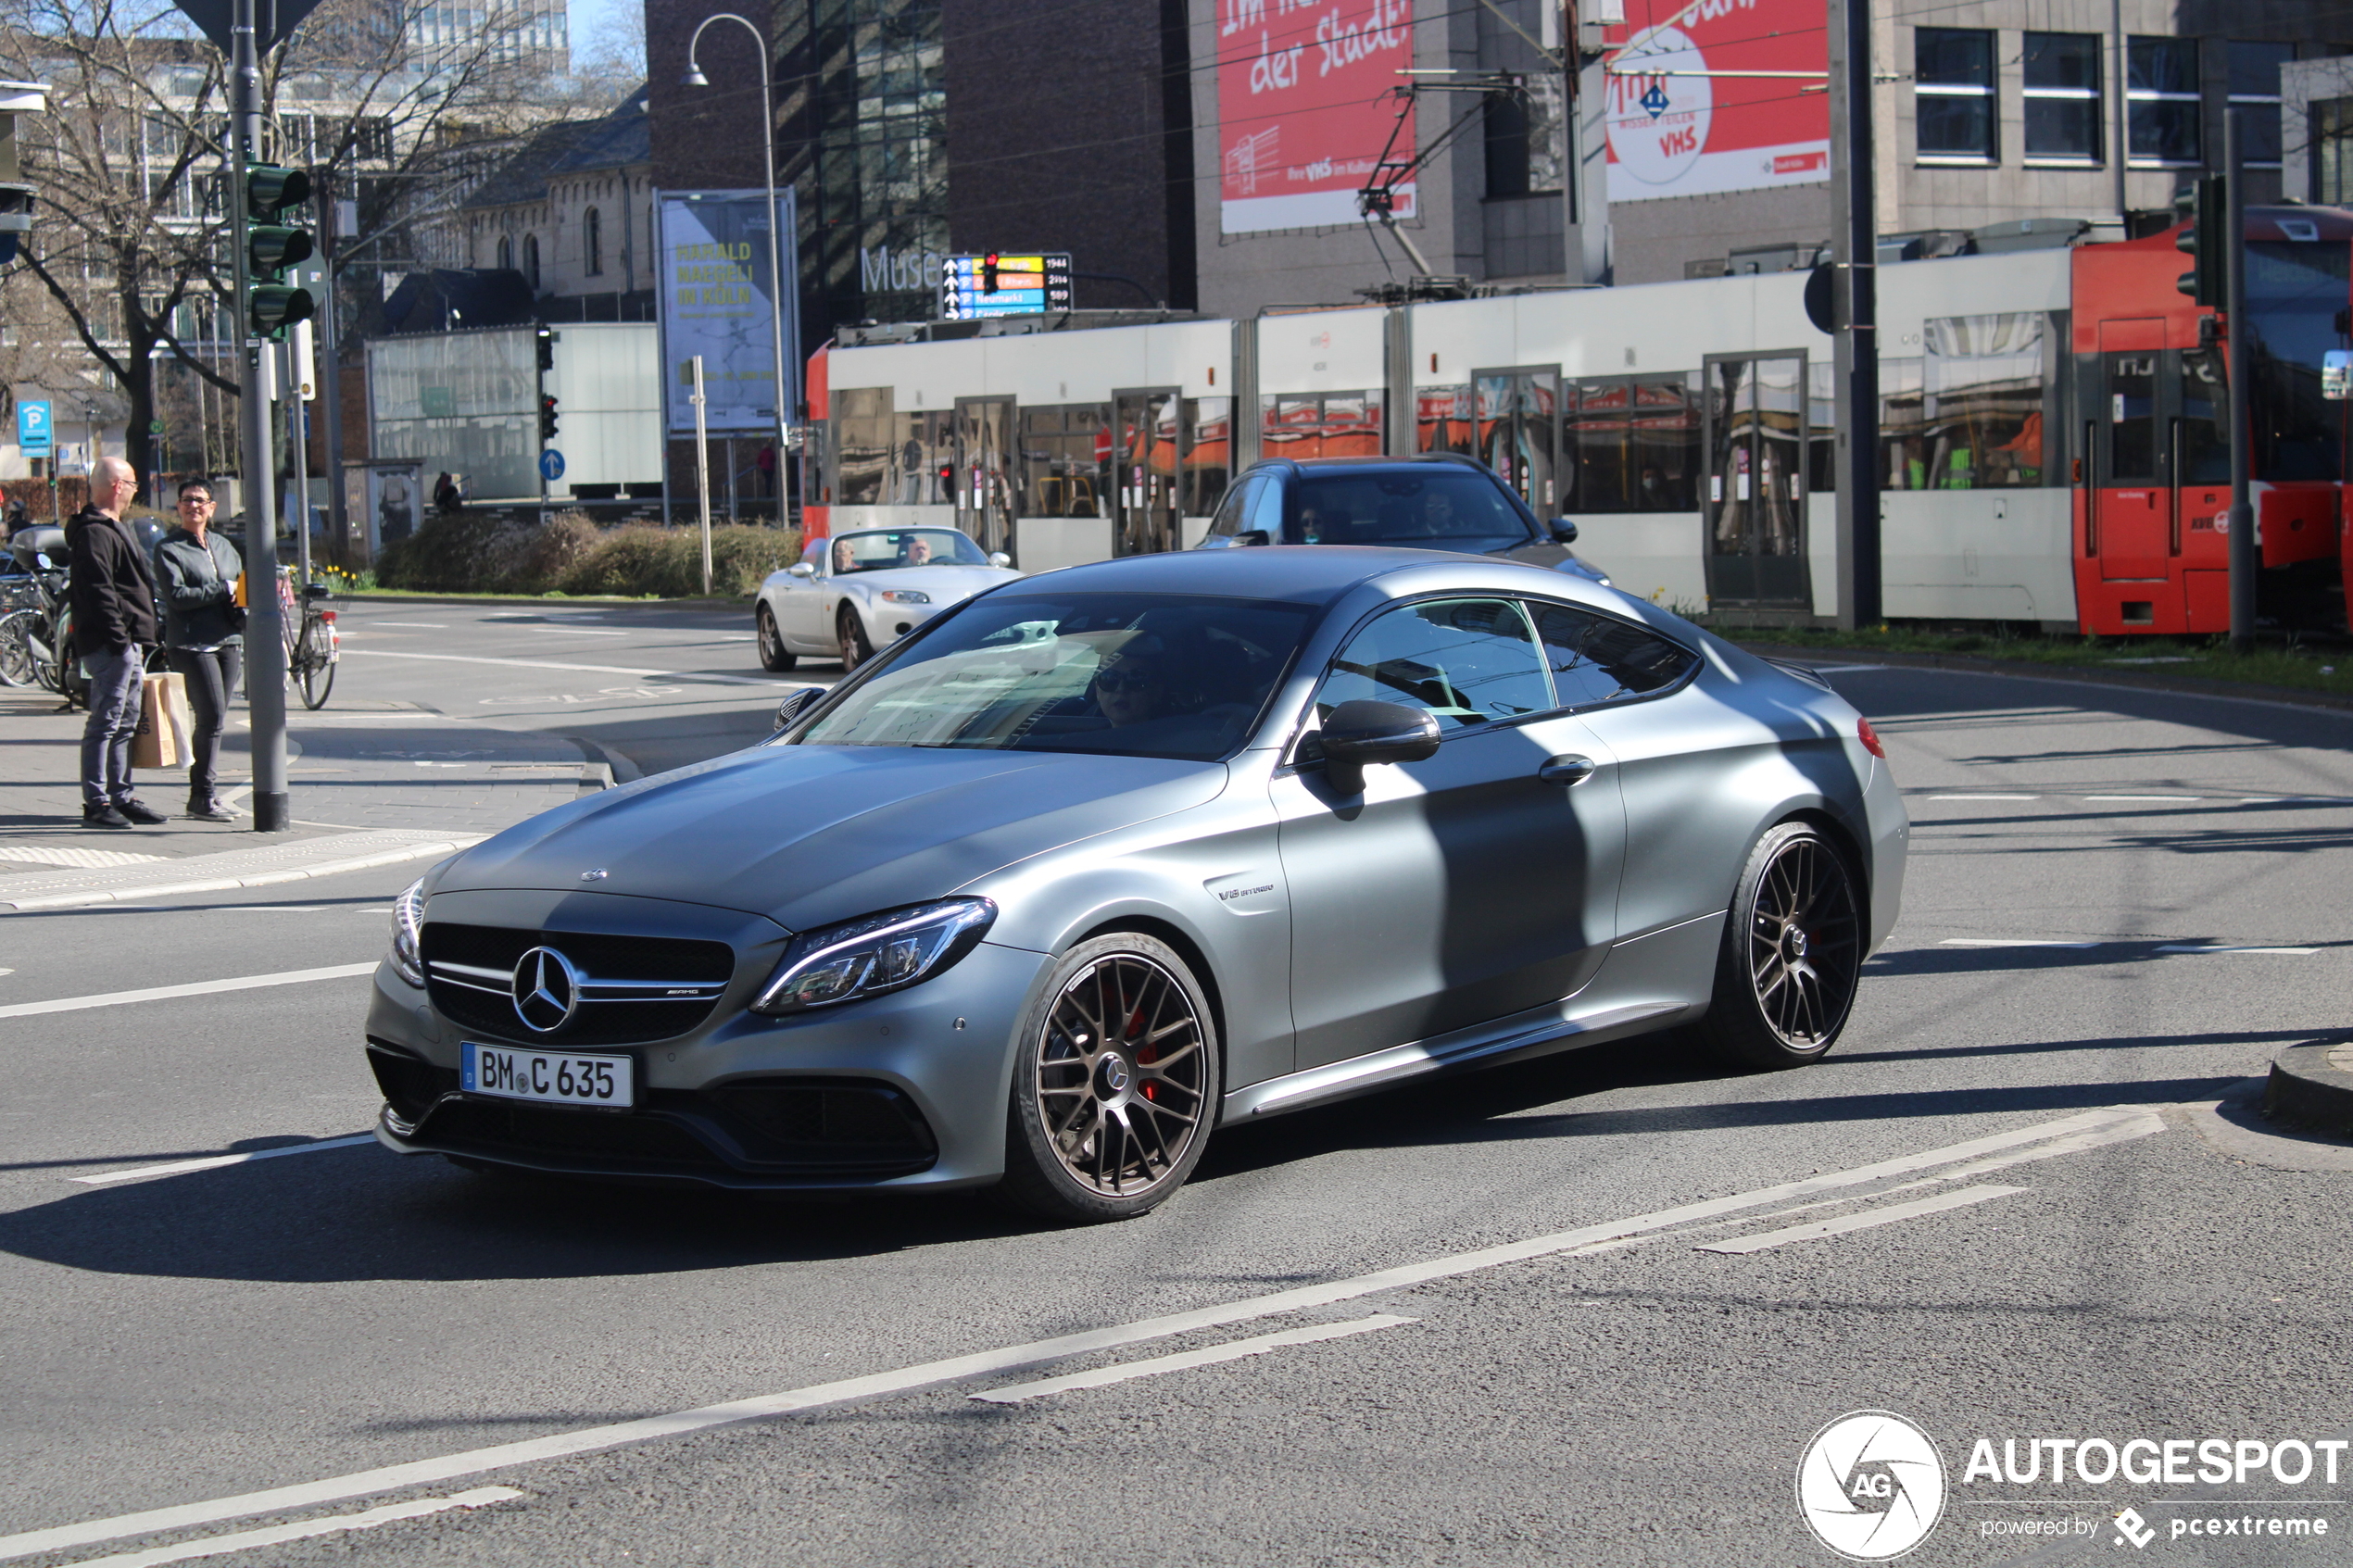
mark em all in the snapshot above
pixel 199 585
pixel 114 590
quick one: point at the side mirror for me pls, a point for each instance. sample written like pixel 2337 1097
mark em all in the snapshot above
pixel 794 705
pixel 1253 537
pixel 1360 734
pixel 1564 531
pixel 1000 558
pixel 802 568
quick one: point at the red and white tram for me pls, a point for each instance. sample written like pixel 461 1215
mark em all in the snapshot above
pixel 2053 430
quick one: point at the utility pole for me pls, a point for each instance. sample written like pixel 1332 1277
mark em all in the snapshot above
pixel 702 476
pixel 2246 557
pixel 265 626
pixel 1585 137
pixel 2122 152
pixel 1855 304
pixel 330 378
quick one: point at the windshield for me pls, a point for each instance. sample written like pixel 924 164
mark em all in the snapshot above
pixel 1122 674
pixel 1426 508
pixel 2295 296
pixel 889 549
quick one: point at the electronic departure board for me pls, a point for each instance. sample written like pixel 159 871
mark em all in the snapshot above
pixel 995 284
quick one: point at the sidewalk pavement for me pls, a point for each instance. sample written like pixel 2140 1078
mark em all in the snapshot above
pixel 371 783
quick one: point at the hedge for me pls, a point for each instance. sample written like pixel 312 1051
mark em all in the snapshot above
pixel 487 553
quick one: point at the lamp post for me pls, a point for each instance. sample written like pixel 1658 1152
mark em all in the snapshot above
pixel 695 77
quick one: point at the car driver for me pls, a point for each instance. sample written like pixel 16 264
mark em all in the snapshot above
pixel 918 551
pixel 1130 686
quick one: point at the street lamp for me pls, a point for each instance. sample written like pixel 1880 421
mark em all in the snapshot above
pixel 695 77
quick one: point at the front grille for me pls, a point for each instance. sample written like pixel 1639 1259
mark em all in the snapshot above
pixel 468 970
pixel 601 1137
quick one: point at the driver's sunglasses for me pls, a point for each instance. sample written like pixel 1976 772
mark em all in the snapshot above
pixel 196 500
pixel 1118 680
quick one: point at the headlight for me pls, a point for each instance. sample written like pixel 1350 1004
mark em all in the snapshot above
pixel 408 914
pixel 867 957
pixel 906 596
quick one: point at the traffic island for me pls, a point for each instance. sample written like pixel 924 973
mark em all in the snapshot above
pixel 2312 1087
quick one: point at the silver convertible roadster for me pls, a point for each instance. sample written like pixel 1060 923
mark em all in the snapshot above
pixel 1104 860
pixel 865 589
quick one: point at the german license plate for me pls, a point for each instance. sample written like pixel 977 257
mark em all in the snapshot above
pixel 555 1077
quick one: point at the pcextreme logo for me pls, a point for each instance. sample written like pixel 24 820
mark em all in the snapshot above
pixel 1870 1486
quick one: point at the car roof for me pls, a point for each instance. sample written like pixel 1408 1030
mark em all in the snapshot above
pixel 1300 574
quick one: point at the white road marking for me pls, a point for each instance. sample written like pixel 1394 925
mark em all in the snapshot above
pixel 578 630
pixel 2165 799
pixel 2197 948
pixel 1868 1218
pixel 72 855
pixel 411 625
pixel 216 1162
pixel 1985 798
pixel 194 988
pixel 2009 941
pixel 964 1368
pixel 1184 1360
pixel 544 664
pixel 278 1535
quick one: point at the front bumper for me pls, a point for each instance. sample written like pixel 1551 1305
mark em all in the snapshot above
pixel 902 1091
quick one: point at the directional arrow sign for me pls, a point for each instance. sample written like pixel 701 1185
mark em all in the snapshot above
pixel 273 21
pixel 551 465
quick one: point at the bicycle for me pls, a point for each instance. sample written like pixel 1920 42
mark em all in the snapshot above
pixel 314 647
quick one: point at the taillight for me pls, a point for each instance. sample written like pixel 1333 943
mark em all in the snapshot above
pixel 1870 738
pixel 328 616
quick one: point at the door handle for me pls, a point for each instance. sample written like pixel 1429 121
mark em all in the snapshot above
pixel 1566 771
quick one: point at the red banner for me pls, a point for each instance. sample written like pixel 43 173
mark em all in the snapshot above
pixel 1677 130
pixel 1305 106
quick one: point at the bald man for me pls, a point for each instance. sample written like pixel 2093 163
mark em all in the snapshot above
pixel 114 624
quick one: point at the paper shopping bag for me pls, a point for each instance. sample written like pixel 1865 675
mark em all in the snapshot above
pixel 156 744
pixel 175 710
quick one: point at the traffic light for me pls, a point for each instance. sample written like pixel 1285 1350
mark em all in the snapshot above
pixel 274 247
pixel 988 273
pixel 547 349
pixel 16 198
pixel 548 416
pixel 2207 206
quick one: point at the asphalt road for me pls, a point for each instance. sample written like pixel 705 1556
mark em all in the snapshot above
pixel 2009 1257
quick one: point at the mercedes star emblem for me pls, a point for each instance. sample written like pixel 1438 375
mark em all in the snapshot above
pixel 546 990
pixel 596 873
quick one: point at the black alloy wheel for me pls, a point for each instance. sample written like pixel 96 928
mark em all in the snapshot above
pixel 1793 951
pixel 774 656
pixel 1116 1085
pixel 855 648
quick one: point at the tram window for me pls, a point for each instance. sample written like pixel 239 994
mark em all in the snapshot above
pixel 1821 426
pixel 1902 444
pixel 1442 420
pixel 1984 420
pixel 1634 444
pixel 1601 439
pixel 923 445
pixel 2206 426
pixel 2294 292
pixel 2132 417
pixel 1065 453
pixel 1208 453
pixel 863 429
pixel 1666 465
pixel 1327 424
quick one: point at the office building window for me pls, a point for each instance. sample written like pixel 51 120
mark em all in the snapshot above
pixel 2332 123
pixel 2255 94
pixel 2063 97
pixel 2161 101
pixel 1953 73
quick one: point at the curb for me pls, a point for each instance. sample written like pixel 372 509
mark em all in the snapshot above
pixel 378 595
pixel 2179 686
pixel 2312 1086
pixel 228 882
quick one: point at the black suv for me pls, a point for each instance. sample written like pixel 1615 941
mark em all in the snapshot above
pixel 1438 501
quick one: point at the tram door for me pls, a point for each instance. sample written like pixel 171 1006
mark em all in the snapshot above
pixel 1519 433
pixel 1755 507
pixel 985 472
pixel 1148 430
pixel 2132 526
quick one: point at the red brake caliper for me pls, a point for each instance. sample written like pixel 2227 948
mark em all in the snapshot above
pixel 1146 1054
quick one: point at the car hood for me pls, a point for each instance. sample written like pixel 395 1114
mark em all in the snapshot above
pixel 811 835
pixel 939 582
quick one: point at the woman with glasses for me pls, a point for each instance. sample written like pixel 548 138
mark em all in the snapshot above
pixel 196 573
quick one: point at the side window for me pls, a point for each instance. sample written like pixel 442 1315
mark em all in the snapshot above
pixel 1468 662
pixel 1265 504
pixel 1228 522
pixel 1596 658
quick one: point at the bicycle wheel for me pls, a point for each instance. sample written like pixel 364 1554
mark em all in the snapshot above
pixel 16 653
pixel 317 666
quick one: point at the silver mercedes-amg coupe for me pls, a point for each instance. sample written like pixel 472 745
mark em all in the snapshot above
pixel 1100 860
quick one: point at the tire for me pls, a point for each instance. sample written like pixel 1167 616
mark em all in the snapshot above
pixel 855 649
pixel 15 654
pixel 1096 1134
pixel 1791 953
pixel 774 656
pixel 317 673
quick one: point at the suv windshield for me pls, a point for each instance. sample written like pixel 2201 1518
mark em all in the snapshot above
pixel 1425 506
pixel 1124 675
